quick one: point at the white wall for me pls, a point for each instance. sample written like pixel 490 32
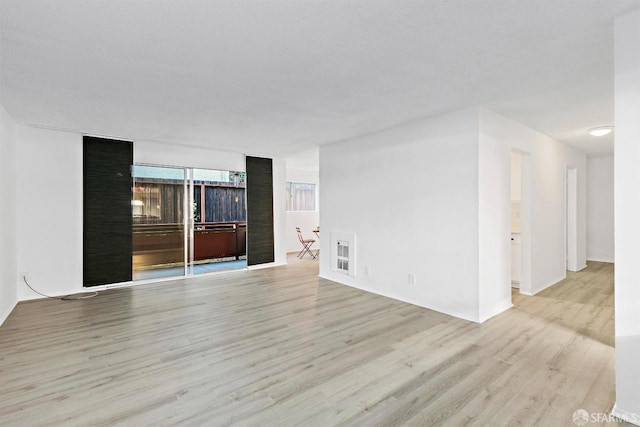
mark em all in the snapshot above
pixel 161 154
pixel 494 222
pixel 8 218
pixel 433 198
pixel 279 211
pixel 306 220
pixel 410 195
pixel 49 211
pixel 516 176
pixel 627 212
pixel 548 160
pixel 49 181
pixel 600 231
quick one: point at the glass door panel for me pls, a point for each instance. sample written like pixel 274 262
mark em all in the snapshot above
pixel 219 216
pixel 158 209
pixel 187 221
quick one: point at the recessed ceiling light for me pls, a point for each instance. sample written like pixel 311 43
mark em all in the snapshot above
pixel 600 131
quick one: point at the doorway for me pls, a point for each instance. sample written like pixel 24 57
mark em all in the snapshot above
pixel 571 235
pixel 187 221
pixel 521 221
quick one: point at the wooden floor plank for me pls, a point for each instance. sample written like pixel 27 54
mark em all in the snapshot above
pixel 283 347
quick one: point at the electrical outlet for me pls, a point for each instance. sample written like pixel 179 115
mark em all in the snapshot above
pixel 367 270
pixel 24 276
pixel 412 279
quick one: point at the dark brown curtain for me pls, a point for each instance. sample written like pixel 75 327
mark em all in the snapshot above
pixel 260 238
pixel 107 221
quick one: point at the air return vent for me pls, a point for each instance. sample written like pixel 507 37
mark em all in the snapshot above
pixel 342 259
pixel 343 253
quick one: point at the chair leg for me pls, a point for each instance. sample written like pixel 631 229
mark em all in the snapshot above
pixel 310 252
pixel 307 250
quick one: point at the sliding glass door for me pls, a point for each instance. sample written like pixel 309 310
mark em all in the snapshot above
pixel 219 220
pixel 187 221
pixel 158 209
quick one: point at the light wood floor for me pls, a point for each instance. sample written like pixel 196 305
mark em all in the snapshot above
pixel 281 347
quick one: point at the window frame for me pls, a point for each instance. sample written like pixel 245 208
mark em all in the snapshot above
pixel 292 202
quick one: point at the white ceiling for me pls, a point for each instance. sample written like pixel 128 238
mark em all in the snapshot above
pixel 279 77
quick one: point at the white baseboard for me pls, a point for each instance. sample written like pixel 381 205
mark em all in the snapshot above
pixel 596 259
pixel 463 316
pixel 579 268
pixel 6 314
pixel 496 309
pixel 549 284
pixel 630 417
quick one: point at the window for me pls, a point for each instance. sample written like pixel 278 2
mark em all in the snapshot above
pixel 301 196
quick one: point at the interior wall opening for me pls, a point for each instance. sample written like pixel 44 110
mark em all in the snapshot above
pixel 521 222
pixel 187 221
pixel 571 235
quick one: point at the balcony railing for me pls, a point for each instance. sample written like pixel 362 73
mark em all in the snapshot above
pixel 158 244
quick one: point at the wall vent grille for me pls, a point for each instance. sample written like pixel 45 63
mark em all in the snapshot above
pixel 342 258
pixel 343 253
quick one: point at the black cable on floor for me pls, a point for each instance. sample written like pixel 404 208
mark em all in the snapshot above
pixel 72 297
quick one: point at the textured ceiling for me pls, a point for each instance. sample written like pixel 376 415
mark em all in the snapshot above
pixel 280 77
